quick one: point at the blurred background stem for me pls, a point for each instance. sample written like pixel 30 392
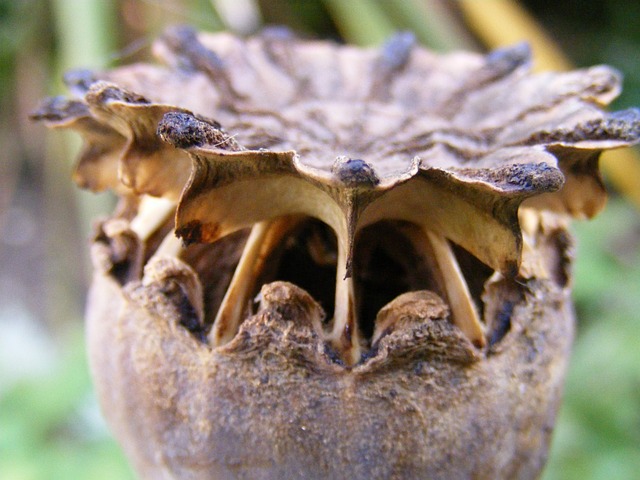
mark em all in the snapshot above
pixel 361 22
pixel 86 34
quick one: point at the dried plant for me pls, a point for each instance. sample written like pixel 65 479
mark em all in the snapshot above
pixel 334 262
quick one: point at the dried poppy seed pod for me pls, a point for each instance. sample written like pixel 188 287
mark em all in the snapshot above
pixel 372 275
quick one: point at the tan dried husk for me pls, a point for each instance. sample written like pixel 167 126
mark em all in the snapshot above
pixel 459 149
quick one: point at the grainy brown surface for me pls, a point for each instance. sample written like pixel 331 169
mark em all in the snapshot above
pixel 272 405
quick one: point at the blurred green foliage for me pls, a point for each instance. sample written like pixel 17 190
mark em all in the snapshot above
pixel 598 432
pixel 597 32
pixel 50 426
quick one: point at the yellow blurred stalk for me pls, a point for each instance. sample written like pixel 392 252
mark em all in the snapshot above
pixel 504 22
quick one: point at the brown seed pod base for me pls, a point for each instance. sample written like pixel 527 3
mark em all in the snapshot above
pixel 273 403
